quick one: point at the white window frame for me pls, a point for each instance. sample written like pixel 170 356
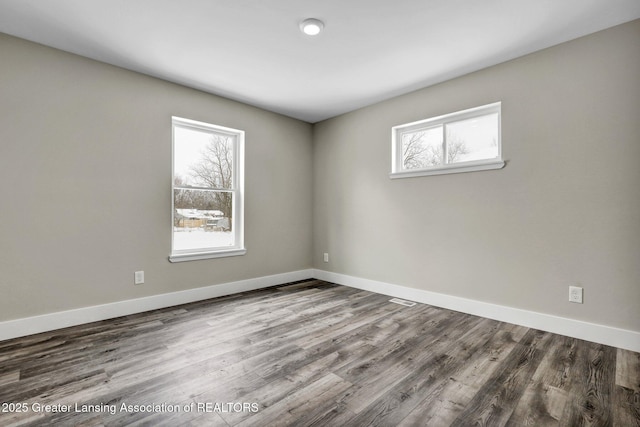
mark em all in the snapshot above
pixel 397 166
pixel 237 190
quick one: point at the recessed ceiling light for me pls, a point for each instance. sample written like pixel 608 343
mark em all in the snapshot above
pixel 311 26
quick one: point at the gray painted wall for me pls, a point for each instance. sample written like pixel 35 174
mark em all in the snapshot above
pixel 85 173
pixel 565 209
pixel 85 154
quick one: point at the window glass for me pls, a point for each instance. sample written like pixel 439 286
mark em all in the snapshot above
pixel 422 148
pixel 473 139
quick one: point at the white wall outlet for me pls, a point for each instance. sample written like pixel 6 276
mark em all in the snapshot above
pixel 575 294
pixel 138 277
pixel 326 257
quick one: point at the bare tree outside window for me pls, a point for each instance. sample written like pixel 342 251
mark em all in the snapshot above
pixel 413 151
pixel 425 149
pixel 456 147
pixel 215 170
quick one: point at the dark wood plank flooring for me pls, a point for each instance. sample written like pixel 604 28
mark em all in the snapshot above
pixel 312 353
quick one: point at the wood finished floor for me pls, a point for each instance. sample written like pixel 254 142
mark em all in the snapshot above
pixel 315 353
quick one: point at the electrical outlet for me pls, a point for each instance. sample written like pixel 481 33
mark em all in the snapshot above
pixel 575 294
pixel 138 277
pixel 326 257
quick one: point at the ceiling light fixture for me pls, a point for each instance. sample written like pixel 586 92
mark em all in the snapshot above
pixel 311 26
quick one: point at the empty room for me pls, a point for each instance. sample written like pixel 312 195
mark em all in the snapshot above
pixel 320 213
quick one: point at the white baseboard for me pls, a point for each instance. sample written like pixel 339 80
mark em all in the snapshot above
pixel 601 334
pixel 48 322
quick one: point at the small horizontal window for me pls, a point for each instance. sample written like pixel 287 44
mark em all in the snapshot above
pixel 464 141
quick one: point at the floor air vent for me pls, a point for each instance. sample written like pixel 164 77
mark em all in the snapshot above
pixel 403 302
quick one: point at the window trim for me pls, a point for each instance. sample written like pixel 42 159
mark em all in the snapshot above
pixel 397 170
pixel 237 190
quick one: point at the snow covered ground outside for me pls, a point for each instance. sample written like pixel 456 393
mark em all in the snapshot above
pixel 197 238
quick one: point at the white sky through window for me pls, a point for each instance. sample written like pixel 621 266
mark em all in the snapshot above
pixel 189 151
pixel 479 135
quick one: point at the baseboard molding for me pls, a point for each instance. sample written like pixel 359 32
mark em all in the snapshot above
pixel 601 334
pixel 48 322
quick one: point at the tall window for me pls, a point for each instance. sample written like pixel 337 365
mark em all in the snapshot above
pixel 464 141
pixel 207 211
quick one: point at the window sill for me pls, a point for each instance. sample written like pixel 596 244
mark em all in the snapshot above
pixel 195 256
pixel 457 168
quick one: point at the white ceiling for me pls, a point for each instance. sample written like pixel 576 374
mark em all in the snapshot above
pixel 252 50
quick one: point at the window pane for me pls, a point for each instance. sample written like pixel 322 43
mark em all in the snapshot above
pixel 202 158
pixel 422 149
pixel 202 219
pixel 473 139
